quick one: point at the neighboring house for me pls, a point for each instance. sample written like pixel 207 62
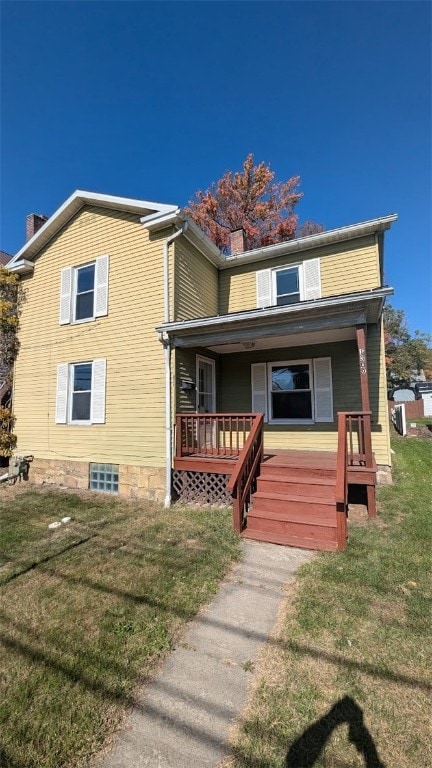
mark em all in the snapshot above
pixel 4 258
pixel 132 316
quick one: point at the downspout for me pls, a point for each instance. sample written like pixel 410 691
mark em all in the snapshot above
pixel 167 357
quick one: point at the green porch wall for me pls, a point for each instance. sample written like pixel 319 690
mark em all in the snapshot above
pixel 233 390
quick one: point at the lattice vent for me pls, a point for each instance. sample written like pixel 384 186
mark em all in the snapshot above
pixel 202 487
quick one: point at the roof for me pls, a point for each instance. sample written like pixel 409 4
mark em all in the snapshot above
pixel 157 216
pixel 72 205
pixel 339 311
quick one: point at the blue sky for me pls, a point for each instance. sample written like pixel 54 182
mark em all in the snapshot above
pixel 156 100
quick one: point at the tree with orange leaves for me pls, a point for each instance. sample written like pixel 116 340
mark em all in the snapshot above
pixel 252 200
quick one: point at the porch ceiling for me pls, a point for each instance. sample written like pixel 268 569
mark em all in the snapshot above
pixel 287 340
pixel 321 320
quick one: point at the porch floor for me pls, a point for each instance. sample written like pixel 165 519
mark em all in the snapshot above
pixel 293 502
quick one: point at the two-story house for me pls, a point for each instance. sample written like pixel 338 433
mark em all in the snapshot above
pixel 151 364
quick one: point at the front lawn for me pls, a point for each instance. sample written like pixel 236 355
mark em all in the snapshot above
pixel 87 610
pixel 347 680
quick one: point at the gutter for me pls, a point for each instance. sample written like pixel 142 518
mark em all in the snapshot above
pixel 21 267
pixel 167 361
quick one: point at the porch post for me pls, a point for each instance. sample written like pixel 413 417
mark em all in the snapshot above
pixel 364 379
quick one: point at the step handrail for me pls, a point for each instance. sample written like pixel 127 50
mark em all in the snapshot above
pixel 246 471
pixel 346 457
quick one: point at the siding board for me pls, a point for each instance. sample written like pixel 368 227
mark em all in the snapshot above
pixel 135 394
pixel 344 268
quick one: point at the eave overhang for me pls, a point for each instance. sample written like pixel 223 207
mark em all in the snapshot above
pixel 72 205
pixel 20 267
pixel 334 312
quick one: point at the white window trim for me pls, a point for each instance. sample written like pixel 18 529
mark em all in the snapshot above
pixel 274 272
pixel 64 392
pixel 74 321
pixel 275 363
pixel 201 358
pixel 70 421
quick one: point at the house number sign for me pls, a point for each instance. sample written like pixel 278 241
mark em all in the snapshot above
pixel 362 359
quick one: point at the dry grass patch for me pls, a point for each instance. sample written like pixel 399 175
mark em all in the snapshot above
pixel 88 610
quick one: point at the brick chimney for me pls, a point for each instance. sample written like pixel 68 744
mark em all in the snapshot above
pixel 34 222
pixel 237 241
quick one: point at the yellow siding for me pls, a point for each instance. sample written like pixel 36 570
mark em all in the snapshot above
pixel 344 269
pixel 135 392
pixel 196 283
pixel 236 395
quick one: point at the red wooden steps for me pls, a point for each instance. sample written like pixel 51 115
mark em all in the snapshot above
pixel 294 503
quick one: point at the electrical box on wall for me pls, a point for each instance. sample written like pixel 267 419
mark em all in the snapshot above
pixel 186 385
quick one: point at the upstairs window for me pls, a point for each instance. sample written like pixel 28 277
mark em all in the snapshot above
pixel 289 284
pixel 84 292
pixel 286 285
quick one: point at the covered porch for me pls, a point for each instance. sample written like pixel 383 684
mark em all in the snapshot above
pixel 274 415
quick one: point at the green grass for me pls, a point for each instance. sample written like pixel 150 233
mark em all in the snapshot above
pixel 88 610
pixel 358 626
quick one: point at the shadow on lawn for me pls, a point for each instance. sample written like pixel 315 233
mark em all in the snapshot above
pixel 305 751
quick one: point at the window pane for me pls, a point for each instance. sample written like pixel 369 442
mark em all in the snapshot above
pixel 84 305
pixel 290 377
pixel 81 406
pixel 85 278
pixel 292 405
pixel 82 377
pixel 287 281
pixel 292 298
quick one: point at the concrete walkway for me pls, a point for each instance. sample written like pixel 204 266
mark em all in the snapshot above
pixel 187 712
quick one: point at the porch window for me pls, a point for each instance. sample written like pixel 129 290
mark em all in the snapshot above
pixel 290 386
pixel 293 391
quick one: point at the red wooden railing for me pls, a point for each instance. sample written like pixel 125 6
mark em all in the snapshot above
pixel 212 434
pixel 243 480
pixel 354 450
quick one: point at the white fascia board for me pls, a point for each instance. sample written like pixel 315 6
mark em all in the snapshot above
pixel 21 267
pixel 312 241
pixel 72 205
pixel 270 312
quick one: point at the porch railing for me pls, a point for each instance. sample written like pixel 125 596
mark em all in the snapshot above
pixel 212 434
pixel 354 450
pixel 243 480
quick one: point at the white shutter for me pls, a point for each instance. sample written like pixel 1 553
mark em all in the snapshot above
pixel 65 295
pixel 323 391
pixel 311 279
pixel 98 392
pixel 101 286
pixel 62 393
pixel 259 388
pixel 263 288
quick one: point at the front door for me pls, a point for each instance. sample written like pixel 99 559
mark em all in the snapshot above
pixel 206 402
pixel 206 385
